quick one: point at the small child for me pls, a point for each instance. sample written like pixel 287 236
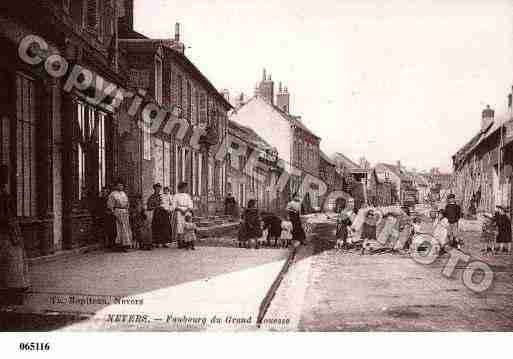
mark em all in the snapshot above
pixel 189 232
pixel 286 233
pixel 260 242
pixel 140 226
pixel 489 233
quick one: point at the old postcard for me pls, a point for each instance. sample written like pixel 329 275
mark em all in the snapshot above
pixel 242 166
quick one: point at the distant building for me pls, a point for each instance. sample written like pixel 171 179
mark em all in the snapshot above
pixel 296 145
pixel 251 180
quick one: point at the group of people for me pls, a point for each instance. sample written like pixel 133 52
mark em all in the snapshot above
pixel 126 226
pixel 257 229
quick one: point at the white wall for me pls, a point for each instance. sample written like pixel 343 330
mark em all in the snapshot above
pixel 268 124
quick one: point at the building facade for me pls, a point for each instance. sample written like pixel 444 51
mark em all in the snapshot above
pixel 482 168
pixel 60 146
pixel 169 155
pixel 251 179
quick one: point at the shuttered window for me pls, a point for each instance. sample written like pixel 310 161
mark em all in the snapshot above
pixel 92 15
pixel 26 146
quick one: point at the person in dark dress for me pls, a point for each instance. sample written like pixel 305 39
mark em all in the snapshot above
pixel 161 221
pixel 229 205
pixel 106 220
pixel 252 224
pixel 504 229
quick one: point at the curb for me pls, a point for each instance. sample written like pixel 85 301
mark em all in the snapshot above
pixel 64 254
pixel 264 306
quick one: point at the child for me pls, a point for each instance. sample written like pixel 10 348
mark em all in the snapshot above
pixel 286 233
pixel 343 224
pixel 369 228
pixel 260 241
pixel 189 232
pixel 488 235
pixel 273 225
pixel 139 223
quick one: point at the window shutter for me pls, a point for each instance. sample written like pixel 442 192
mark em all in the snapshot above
pixel 92 18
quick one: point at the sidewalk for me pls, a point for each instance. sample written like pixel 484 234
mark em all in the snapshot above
pixel 163 289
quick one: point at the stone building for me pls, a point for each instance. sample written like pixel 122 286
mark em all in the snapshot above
pixel 58 138
pixel 482 168
pixel 297 146
pixel 170 80
pixel 248 179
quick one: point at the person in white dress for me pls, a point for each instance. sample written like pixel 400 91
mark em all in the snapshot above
pixel 118 203
pixel 181 204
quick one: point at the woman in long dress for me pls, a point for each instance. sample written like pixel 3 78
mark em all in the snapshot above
pixel 160 223
pixel 119 205
pixel 13 267
pixel 294 211
pixel 181 204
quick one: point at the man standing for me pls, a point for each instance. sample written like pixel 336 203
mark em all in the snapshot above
pixel 452 212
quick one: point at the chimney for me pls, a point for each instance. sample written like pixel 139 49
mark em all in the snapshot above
pixel 487 117
pixel 399 165
pixel 266 88
pixel 226 94
pixel 177 32
pixel 283 99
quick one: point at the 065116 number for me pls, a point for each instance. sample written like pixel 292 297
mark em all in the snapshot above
pixel 35 346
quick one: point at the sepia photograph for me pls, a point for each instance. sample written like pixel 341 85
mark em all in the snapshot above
pixel 255 167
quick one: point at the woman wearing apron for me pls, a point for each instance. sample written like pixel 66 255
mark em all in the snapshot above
pixel 119 205
pixel 180 205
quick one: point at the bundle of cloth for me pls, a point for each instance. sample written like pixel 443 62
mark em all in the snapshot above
pixel 381 228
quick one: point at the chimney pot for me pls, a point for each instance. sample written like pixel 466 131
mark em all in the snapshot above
pixel 177 32
pixel 487 117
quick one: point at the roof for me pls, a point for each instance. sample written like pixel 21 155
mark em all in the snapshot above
pixel 325 157
pixel 145 45
pixel 403 176
pixel 346 160
pixel 139 45
pixel 248 135
pixel 481 136
pixel 296 121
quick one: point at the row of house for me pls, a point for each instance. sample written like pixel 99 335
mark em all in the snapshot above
pixel 483 166
pixel 313 174
pixel 65 135
pixel 62 148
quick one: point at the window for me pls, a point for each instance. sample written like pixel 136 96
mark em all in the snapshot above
pixel 102 158
pixel 200 173
pixel 92 15
pixel 77 12
pixel 179 90
pixel 197 107
pixel 166 159
pixel 25 146
pixel 158 81
pixel 66 5
pixel 203 108
pixel 189 101
pixel 146 142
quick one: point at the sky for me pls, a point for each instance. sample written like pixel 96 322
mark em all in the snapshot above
pixel 395 80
